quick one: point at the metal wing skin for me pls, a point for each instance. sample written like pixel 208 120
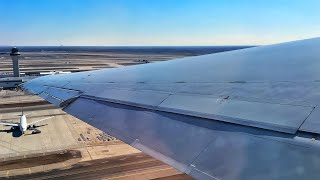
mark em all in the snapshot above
pixel 9 124
pixel 40 120
pixel 244 114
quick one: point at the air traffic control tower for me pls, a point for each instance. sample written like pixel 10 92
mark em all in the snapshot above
pixel 13 82
pixel 15 61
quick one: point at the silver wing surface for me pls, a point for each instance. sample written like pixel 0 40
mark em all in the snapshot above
pixel 244 114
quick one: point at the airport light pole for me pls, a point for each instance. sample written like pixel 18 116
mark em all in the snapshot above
pixel 15 61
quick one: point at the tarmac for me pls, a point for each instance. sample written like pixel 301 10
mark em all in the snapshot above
pixel 68 148
pixel 59 61
pixel 57 133
pixel 135 166
pixel 45 155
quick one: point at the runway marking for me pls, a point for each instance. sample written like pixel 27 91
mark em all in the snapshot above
pixel 89 153
pixel 145 172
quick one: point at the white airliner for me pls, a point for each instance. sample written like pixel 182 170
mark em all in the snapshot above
pixel 23 124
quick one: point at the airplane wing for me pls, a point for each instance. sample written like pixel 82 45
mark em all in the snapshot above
pixel 244 114
pixel 8 124
pixel 40 120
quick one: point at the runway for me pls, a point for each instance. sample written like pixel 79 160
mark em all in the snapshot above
pixel 133 166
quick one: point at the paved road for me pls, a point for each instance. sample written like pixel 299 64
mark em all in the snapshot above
pixel 122 167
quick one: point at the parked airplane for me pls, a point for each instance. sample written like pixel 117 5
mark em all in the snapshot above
pixel 23 125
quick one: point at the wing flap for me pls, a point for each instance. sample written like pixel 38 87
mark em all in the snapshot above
pixel 205 148
pixel 58 96
pixel 273 116
pixel 277 117
pixel 235 155
pixel 147 99
pixel 312 123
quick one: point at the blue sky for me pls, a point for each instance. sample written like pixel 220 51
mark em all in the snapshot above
pixel 157 22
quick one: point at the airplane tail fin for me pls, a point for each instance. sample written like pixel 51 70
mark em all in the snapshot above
pixel 22 113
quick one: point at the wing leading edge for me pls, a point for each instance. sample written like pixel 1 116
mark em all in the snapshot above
pixel 218 116
pixel 37 121
pixel 9 124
